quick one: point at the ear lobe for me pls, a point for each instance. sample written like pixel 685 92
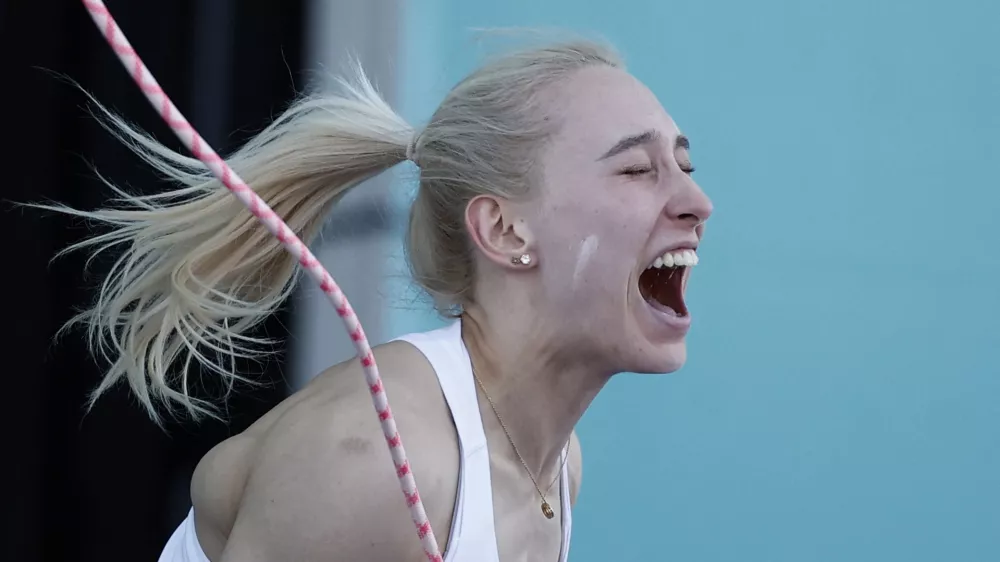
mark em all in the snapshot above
pixel 497 231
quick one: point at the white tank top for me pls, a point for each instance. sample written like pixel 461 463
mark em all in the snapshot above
pixel 473 535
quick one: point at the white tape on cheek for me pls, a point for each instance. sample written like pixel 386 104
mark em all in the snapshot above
pixel 586 252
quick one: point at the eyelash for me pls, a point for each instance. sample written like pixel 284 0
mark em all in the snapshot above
pixel 635 171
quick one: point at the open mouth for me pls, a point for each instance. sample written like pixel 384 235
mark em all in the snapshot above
pixel 662 283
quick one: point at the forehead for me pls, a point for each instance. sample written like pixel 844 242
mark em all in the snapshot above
pixel 599 105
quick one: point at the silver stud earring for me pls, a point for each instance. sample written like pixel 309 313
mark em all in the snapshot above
pixel 523 259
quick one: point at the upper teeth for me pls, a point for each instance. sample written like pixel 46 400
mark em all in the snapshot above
pixel 676 258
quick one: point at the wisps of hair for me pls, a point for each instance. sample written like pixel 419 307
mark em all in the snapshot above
pixel 197 271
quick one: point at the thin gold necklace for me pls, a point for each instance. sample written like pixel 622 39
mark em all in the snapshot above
pixel 546 508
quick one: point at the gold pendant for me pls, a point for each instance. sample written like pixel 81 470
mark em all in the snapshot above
pixel 547 510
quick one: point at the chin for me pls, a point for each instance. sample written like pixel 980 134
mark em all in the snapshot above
pixel 660 359
pixel 659 338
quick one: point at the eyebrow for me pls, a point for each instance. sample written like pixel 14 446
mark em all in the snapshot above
pixel 640 139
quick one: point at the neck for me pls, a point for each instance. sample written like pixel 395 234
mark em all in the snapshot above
pixel 539 385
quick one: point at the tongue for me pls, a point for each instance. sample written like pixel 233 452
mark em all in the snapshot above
pixel 662 307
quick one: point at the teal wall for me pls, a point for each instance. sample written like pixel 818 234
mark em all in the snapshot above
pixel 842 398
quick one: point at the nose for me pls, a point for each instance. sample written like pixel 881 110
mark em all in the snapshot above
pixel 689 204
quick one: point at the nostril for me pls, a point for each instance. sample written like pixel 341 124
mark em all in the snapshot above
pixel 690 217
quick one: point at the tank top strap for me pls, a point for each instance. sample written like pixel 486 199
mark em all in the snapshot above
pixel 473 533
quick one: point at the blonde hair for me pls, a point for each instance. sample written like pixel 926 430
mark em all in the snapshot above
pixel 198 272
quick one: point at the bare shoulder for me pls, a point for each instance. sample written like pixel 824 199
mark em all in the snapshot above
pixel 575 467
pixel 322 485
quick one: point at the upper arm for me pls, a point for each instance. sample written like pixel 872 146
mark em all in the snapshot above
pixel 324 487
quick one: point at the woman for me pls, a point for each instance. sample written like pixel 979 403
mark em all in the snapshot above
pixel 556 221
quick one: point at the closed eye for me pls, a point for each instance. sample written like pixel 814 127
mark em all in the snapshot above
pixel 634 171
pixel 687 168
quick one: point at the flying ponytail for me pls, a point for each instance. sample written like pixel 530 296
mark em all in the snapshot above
pixel 197 272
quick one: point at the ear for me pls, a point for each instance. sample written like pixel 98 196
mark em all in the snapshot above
pixel 498 232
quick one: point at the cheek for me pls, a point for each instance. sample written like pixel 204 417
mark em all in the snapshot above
pixel 597 264
pixel 592 243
